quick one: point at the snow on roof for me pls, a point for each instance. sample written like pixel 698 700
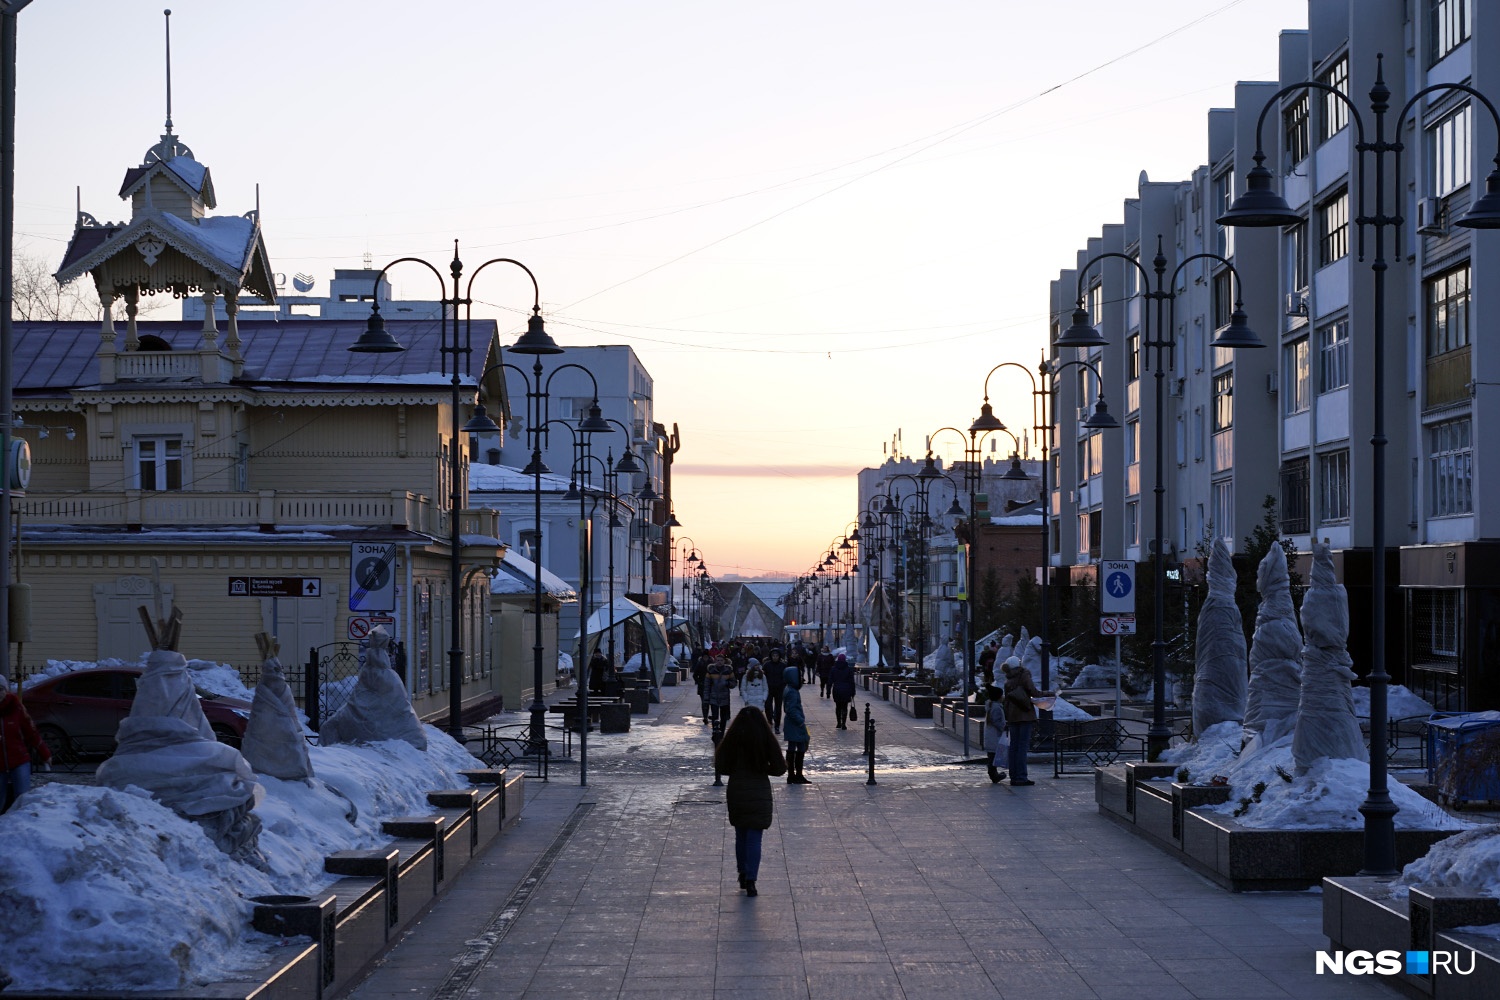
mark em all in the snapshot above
pixel 1018 519
pixel 227 237
pixel 189 169
pixel 518 576
pixel 505 478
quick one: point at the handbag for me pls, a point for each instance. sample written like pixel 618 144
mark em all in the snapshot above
pixel 853 713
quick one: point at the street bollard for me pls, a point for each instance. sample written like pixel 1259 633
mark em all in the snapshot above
pixel 870 744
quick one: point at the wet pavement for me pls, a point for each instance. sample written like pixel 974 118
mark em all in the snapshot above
pixel 931 882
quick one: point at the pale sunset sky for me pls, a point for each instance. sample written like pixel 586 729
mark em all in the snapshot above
pixel 818 223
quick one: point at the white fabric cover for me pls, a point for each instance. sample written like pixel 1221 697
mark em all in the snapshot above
pixel 940 662
pixel 1219 676
pixel 273 742
pixel 166 747
pixel 1275 651
pixel 378 708
pixel 1031 657
pixel 1326 725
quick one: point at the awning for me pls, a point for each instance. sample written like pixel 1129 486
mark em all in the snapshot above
pixel 625 613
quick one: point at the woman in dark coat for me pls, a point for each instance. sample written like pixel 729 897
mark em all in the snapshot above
pixel 750 755
pixel 794 726
pixel 841 681
pixel 1020 716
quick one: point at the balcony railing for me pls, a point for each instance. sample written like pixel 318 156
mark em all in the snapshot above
pixel 266 509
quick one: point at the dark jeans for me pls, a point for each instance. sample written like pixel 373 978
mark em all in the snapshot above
pixel 747 852
pixel 1020 746
pixel 14 784
pixel 841 712
pixel 773 708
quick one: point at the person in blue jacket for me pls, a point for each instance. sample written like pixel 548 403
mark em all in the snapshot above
pixel 794 726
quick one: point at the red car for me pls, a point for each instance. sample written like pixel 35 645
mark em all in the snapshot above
pixel 79 713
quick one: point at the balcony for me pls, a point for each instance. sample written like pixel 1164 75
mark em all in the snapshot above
pixel 1447 378
pixel 266 510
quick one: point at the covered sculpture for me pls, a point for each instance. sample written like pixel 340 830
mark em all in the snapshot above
pixel 1326 724
pixel 379 707
pixel 273 742
pixel 166 747
pixel 1275 653
pixel 1031 656
pixel 940 662
pixel 1219 677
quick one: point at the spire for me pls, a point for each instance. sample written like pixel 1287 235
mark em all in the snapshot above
pixel 169 147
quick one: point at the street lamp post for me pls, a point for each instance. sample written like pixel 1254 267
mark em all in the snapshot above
pixel 1260 206
pixel 1158 343
pixel 375 340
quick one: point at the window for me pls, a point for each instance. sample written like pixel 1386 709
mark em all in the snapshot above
pixel 1090 457
pixel 1448 142
pixel 529 541
pixel 1096 303
pixel 1223 401
pixel 1295 131
pixel 1294 496
pixel 1296 255
pixel 1335 110
pixel 1333 229
pixel 1451 459
pixel 1333 356
pixel 1223 198
pixel 1223 508
pixel 1133 523
pixel 1198 434
pixel 158 463
pixel 1333 486
pixel 1296 377
pixel 1448 25
pixel 1448 311
pixel 1133 276
pixel 1133 357
pixel 1434 621
pixel 1223 299
pixel 1132 442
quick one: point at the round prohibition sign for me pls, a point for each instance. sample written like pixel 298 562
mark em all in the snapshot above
pixel 359 628
pixel 1108 626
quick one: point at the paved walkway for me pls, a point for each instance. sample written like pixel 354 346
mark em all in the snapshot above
pixel 932 882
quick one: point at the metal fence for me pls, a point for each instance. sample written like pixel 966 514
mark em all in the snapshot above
pixel 510 743
pixel 1080 747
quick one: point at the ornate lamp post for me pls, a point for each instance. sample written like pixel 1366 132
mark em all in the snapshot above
pixel 1260 206
pixel 1158 343
pixel 375 340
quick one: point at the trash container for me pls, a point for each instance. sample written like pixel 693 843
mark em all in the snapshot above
pixel 1463 756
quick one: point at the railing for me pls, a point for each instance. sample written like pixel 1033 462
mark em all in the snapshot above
pixel 158 365
pixel 1080 747
pixel 390 508
pixel 503 745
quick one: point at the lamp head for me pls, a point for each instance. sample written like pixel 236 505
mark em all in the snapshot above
pixel 1015 473
pixel 593 422
pixel 1238 333
pixel 375 340
pixel 1259 207
pixel 954 509
pixel 1101 419
pixel 986 421
pixel 536 339
pixel 1081 333
pixel 480 423
pixel 646 492
pixel 1485 213
pixel 627 465
pixel 671 521
pixel 854 535
pixel 536 467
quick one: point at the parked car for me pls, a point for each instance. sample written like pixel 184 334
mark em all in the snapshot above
pixel 78 713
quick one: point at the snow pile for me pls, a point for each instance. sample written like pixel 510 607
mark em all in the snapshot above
pixel 1211 755
pixel 1400 703
pixel 1468 860
pixel 1065 711
pixel 1268 796
pixel 211 679
pixel 1096 675
pixel 107 889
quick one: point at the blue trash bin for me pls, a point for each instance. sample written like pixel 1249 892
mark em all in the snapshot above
pixel 1463 756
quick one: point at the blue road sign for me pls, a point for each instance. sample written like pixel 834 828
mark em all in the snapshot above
pixel 1116 587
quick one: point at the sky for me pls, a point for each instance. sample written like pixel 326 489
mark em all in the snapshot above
pixel 819 223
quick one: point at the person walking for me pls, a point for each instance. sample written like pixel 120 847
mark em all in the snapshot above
pixel 994 727
pixel 700 675
pixel 753 688
pixel 825 671
pixel 719 682
pixel 750 756
pixel 841 684
pixel 794 727
pixel 20 744
pixel 1020 716
pixel 775 685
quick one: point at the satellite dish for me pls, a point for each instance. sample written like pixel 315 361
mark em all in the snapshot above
pixel 302 281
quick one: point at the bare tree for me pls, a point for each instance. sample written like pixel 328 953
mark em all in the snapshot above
pixel 36 295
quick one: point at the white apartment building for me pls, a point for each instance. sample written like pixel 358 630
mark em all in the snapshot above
pixel 1295 419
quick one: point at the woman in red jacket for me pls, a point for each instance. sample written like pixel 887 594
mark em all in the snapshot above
pixel 19 741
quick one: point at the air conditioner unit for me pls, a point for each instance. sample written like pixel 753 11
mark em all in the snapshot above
pixel 1296 303
pixel 1272 385
pixel 1432 217
pixel 1175 387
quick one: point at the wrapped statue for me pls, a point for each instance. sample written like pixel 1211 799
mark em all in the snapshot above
pixel 379 707
pixel 1219 678
pixel 273 742
pixel 166 747
pixel 1326 723
pixel 1275 654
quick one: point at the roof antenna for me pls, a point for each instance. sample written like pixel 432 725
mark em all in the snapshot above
pixel 168 17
